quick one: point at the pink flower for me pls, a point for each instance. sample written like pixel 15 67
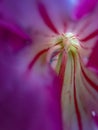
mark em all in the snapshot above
pixel 48 61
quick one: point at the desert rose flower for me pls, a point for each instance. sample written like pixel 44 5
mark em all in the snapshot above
pixel 49 62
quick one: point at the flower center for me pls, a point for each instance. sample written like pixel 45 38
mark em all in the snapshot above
pixel 66 43
pixel 71 43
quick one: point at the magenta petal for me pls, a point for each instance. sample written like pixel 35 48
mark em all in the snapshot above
pixel 93 60
pixel 45 17
pixel 79 8
pixel 12 37
pixel 28 102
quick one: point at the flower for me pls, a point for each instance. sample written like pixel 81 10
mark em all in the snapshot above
pixel 64 43
pixel 70 53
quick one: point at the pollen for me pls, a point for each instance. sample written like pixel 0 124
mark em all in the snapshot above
pixel 64 43
pixel 71 42
pixel 67 41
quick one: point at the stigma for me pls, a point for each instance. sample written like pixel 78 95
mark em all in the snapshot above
pixel 63 44
pixel 68 42
pixel 71 42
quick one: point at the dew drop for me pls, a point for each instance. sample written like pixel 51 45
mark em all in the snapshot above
pixel 93 113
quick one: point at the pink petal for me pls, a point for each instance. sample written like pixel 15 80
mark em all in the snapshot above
pixel 79 96
pixel 45 17
pixel 86 31
pixel 28 101
pixel 26 14
pixel 93 60
pixel 12 37
pixel 54 14
pixel 22 13
pixel 79 8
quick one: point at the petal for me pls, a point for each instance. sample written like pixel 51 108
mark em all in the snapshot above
pixel 93 61
pixel 28 13
pixel 86 31
pixel 79 96
pixel 88 36
pixel 56 13
pixel 28 100
pixel 79 8
pixel 22 13
pixel 12 37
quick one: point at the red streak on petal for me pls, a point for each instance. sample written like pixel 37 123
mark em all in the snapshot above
pixel 94 98
pixel 75 100
pixel 65 26
pixel 89 90
pixel 89 81
pixel 92 35
pixel 77 110
pixel 45 16
pixel 62 69
pixel 36 58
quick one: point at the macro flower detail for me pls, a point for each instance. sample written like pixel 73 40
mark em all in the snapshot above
pixel 68 54
pixel 48 65
pixel 79 84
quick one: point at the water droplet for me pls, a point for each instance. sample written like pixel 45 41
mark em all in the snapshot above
pixel 93 113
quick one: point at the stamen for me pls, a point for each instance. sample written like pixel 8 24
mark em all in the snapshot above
pixel 67 42
pixel 71 42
